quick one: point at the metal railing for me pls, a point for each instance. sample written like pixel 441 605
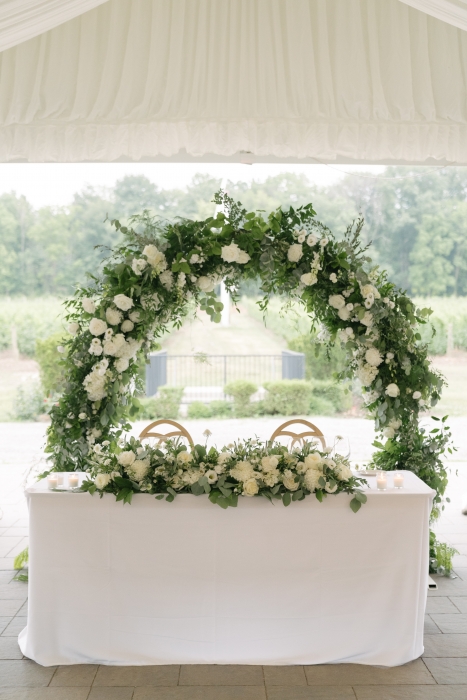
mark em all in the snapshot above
pixel 204 376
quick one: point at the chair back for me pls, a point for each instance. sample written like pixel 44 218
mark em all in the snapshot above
pixel 153 431
pixel 300 437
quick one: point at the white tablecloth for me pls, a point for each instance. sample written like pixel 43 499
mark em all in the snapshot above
pixel 188 582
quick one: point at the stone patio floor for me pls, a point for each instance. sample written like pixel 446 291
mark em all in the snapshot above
pixel 440 674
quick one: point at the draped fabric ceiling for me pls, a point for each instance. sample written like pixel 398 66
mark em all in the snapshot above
pixel 328 80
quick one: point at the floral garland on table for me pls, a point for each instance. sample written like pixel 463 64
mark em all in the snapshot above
pixel 165 269
pixel 243 469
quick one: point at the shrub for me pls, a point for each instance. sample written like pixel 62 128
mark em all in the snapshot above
pixel 288 397
pixel 29 402
pixel 221 409
pixel 197 409
pixel 166 405
pixel 318 365
pixel 320 406
pixel 241 391
pixel 51 370
pixel 437 343
pixel 333 393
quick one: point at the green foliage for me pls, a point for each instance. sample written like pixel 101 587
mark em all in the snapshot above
pixel 288 397
pixel 33 318
pixel 214 409
pixel 166 405
pixel 19 563
pixel 319 406
pixel 320 362
pixel 29 402
pixel 197 409
pixel 51 368
pixel 241 391
pixel 334 393
pixel 444 554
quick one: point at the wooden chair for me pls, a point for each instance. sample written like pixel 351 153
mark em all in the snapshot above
pixel 312 431
pixel 180 431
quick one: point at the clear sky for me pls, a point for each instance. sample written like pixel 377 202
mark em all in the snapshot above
pixel 54 184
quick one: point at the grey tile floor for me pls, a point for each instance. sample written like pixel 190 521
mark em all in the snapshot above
pixel 441 673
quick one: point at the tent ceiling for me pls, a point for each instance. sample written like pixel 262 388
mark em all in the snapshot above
pixel 296 80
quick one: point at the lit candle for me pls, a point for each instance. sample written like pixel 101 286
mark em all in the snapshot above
pixel 381 482
pixel 73 481
pixel 52 481
pixel 398 480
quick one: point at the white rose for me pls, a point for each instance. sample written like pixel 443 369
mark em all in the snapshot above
pixel 243 257
pixel 289 481
pixel 392 390
pixel 323 242
pixel 344 314
pixel 155 257
pixel 329 488
pixel 206 284
pixel 370 291
pixel 333 277
pixel 184 457
pixel 373 357
pixel 88 305
pixel 73 328
pixel 113 316
pixel 250 487
pixel 121 364
pixel 344 472
pixel 138 265
pixel 312 240
pixel 269 463
pixel 102 480
pixel 134 316
pixel 337 301
pixel 126 458
pixel 389 432
pixel 97 327
pixel 127 326
pixel 389 355
pixel 229 253
pixel 95 348
pixel 295 252
pixel 416 395
pixel 313 461
pixel 166 279
pixel 123 302
pixel 82 416
pixel 301 237
pixel 309 279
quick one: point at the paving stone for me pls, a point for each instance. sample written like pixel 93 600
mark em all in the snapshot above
pixel 440 604
pixel 230 692
pixel 284 675
pixel 448 671
pixel 128 676
pixel 23 611
pixel 430 627
pixel 446 645
pixel 6 576
pixel 8 608
pixel 13 591
pixel 9 648
pixel 210 674
pixel 17 674
pixel 16 625
pixel 460 602
pixel 462 573
pixel 451 624
pixel 76 675
pixel 311 692
pixel 111 693
pixel 414 672
pixel 410 692
pixel 448 587
pixel 44 694
pixel 6 563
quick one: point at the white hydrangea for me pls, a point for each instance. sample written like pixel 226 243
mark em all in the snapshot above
pixel 367 373
pixel 181 280
pixel 242 471
pixel 114 345
pixel 367 319
pixel 295 252
pixel 138 469
pixel 88 305
pixel 113 316
pixel 123 302
pixel 134 316
pixel 126 458
pixel 129 349
pixel 243 257
pixel 127 326
pixel 94 384
pixel 333 277
pixel 97 326
pixel 270 463
pixel 312 478
pixel 337 301
pixel 308 279
pixel 166 279
pixel 369 290
pixel 121 364
pixel 373 357
pixel 344 314
pixel 102 480
pixel 138 265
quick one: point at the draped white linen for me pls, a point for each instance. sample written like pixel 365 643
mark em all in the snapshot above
pixel 452 11
pixel 358 80
pixel 21 20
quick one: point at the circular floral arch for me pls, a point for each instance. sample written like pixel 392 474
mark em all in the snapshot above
pixel 164 269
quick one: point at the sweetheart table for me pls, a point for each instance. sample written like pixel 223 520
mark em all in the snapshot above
pixel 189 582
